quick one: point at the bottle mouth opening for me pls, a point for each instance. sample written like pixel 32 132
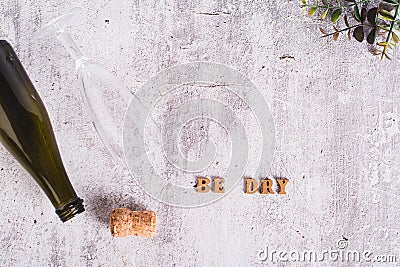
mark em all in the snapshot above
pixel 69 210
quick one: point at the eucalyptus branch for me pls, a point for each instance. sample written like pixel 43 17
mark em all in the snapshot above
pixel 338 6
pixel 390 33
pixel 369 21
pixel 342 30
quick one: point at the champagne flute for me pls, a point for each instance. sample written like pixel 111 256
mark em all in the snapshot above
pixel 105 96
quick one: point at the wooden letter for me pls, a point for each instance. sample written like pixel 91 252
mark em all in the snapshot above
pixel 282 185
pixel 202 184
pixel 266 187
pixel 251 186
pixel 218 188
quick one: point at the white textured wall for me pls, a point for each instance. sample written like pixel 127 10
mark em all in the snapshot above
pixel 336 112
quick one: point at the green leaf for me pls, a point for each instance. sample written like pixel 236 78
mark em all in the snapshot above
pixel 358 33
pixel 385 28
pixel 386 15
pixel 323 16
pixel 303 2
pixel 371 36
pixel 382 43
pixel 346 21
pixel 395 37
pixel 357 15
pixel 371 16
pixel 335 36
pixel 336 15
pixel 363 14
pixel 312 10
pixel 391 1
pixel 325 2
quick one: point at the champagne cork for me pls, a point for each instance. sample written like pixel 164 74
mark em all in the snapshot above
pixel 125 222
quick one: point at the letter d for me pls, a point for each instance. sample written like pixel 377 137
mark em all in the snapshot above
pixel 263 254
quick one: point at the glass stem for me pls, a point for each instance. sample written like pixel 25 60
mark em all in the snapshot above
pixel 69 44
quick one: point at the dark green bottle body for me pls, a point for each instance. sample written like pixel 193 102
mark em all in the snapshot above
pixel 26 132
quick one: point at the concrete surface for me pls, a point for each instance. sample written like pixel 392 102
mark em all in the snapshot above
pixel 336 112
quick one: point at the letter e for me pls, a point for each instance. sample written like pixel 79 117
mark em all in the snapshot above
pixel 218 188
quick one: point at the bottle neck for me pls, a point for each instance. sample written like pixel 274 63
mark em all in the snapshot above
pixel 70 209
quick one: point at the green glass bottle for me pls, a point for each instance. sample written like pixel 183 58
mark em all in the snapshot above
pixel 26 132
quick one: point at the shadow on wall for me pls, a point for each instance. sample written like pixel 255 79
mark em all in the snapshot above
pixel 100 204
